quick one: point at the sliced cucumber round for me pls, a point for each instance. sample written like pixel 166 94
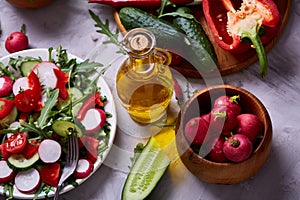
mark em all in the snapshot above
pixel 75 94
pixel 146 172
pixel 27 67
pixel 64 128
pixel 20 162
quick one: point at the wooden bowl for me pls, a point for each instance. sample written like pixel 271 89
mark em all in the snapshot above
pixel 29 3
pixel 223 173
pixel 227 63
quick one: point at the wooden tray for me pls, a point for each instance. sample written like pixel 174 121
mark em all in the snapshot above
pixel 227 63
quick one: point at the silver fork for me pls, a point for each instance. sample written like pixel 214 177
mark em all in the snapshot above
pixel 71 161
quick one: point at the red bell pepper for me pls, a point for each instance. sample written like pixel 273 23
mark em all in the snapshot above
pixel 232 20
pixel 140 3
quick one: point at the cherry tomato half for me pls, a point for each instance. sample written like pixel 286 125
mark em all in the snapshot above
pixel 16 143
pixel 26 101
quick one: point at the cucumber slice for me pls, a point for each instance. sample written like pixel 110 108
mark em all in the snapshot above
pixel 62 128
pixel 75 94
pixel 146 172
pixel 27 67
pixel 20 162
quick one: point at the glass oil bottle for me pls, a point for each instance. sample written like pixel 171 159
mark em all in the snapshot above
pixel 144 81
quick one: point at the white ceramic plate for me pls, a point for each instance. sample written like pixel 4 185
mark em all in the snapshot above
pixel 109 107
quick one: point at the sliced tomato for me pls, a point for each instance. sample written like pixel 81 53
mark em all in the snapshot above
pixel 35 84
pixel 16 143
pixel 4 153
pixel 50 174
pixel 62 80
pixel 26 101
pixel 91 144
pixel 30 149
pixel 5 107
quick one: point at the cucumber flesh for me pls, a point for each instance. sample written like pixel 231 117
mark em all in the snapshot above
pixel 75 94
pixel 146 172
pixel 27 67
pixel 20 162
pixel 62 128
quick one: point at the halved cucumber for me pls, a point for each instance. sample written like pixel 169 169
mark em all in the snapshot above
pixel 27 67
pixel 63 128
pixel 20 162
pixel 146 172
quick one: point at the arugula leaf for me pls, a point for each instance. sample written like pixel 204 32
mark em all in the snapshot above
pixel 164 3
pixel 176 14
pixel 8 188
pixel 49 104
pixel 104 29
pixel 86 65
pixel 137 152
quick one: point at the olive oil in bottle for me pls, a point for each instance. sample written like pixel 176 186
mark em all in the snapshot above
pixel 144 81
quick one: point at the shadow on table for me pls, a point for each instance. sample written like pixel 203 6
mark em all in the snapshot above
pixel 266 184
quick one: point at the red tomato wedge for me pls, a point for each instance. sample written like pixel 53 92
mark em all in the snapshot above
pixel 34 84
pixel 16 143
pixel 5 107
pixel 26 101
pixel 50 174
pixel 30 149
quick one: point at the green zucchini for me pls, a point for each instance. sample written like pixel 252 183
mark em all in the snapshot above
pixel 169 37
pixel 195 33
pixel 20 162
pixel 146 172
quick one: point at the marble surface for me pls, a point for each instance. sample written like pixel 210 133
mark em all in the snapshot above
pixel 68 23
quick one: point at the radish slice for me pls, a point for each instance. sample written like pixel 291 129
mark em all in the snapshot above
pixel 84 168
pixel 49 151
pixel 6 173
pixel 5 85
pixel 44 70
pixel 20 84
pixel 27 181
pixel 93 120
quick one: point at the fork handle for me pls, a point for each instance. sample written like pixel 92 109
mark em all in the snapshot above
pixel 57 192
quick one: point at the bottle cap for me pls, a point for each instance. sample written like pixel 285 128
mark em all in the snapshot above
pixel 139 42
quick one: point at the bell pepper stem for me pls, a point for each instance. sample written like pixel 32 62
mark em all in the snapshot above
pixel 262 57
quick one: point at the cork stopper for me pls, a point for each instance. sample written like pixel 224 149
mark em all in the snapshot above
pixel 138 42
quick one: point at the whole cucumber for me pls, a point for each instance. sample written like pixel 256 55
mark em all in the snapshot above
pixel 195 33
pixel 168 37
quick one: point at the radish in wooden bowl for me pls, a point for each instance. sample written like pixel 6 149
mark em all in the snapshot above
pixel 225 156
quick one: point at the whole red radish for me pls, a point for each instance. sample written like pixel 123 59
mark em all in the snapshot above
pixel 249 125
pixel 17 41
pixel 237 148
pixel 5 86
pixel 216 154
pixel 223 119
pixel 232 102
pixel 196 130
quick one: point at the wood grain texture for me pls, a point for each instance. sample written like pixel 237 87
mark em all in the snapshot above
pixel 227 63
pixel 223 173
